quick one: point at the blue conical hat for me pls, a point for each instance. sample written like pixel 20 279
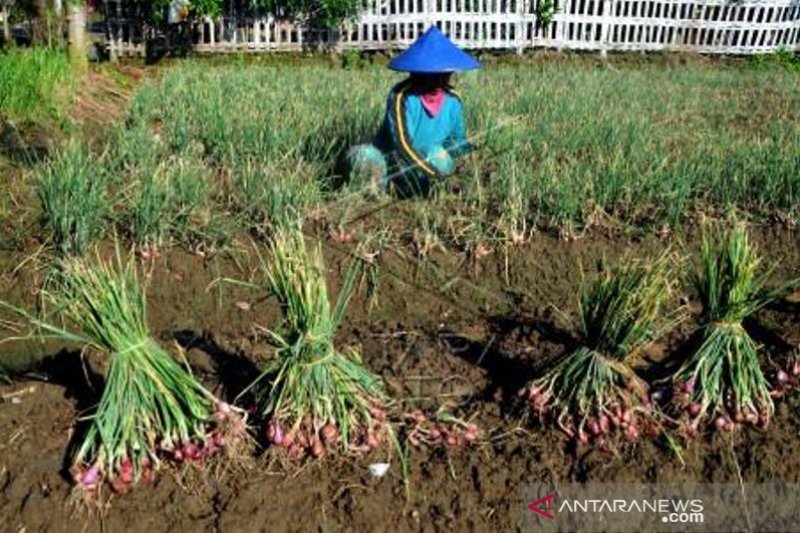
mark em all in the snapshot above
pixel 433 53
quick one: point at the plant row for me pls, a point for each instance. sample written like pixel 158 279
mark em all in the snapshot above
pixel 314 398
pixel 311 399
pixel 210 151
pixel 724 381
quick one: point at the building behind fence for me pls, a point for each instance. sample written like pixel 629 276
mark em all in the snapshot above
pixel 704 26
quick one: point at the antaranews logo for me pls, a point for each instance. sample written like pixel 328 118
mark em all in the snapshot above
pixel 536 506
pixel 670 510
pixel 660 507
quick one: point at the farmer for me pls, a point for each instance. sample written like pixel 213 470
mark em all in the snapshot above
pixel 423 128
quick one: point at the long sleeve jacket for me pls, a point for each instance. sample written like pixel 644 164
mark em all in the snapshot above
pixel 409 133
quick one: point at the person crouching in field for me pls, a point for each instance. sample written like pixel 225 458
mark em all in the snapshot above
pixel 423 127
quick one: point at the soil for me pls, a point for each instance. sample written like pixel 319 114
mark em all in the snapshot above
pixel 445 333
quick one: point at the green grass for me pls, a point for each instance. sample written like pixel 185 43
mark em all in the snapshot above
pixel 34 83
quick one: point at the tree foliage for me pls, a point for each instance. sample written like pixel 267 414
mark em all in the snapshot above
pixel 325 13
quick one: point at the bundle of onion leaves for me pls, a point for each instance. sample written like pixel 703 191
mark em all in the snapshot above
pixel 315 397
pixel 593 393
pixel 723 380
pixel 151 406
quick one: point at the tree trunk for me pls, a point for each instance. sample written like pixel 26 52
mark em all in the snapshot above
pixel 6 27
pixel 39 28
pixel 78 53
pixel 58 8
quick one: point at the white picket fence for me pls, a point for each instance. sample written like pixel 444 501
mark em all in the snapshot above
pixel 704 26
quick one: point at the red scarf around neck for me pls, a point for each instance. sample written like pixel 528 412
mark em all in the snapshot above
pixel 432 101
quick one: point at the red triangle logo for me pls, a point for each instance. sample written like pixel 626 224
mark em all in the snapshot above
pixel 546 500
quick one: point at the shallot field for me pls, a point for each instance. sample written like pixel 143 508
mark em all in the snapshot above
pixel 205 324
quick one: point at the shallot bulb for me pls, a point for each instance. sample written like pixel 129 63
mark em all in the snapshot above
pixel 632 433
pixel 604 422
pixel 750 416
pixel 126 471
pixel 471 432
pixel 329 434
pixel 317 448
pixel 90 478
pixel 289 438
pixel 371 441
pixel 190 451
pixel 275 434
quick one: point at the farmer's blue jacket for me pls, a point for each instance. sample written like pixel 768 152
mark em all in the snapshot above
pixel 409 133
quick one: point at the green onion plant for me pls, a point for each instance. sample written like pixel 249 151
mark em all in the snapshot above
pixel 723 381
pixel 593 393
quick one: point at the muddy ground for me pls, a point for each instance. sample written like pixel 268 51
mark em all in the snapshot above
pixel 444 332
